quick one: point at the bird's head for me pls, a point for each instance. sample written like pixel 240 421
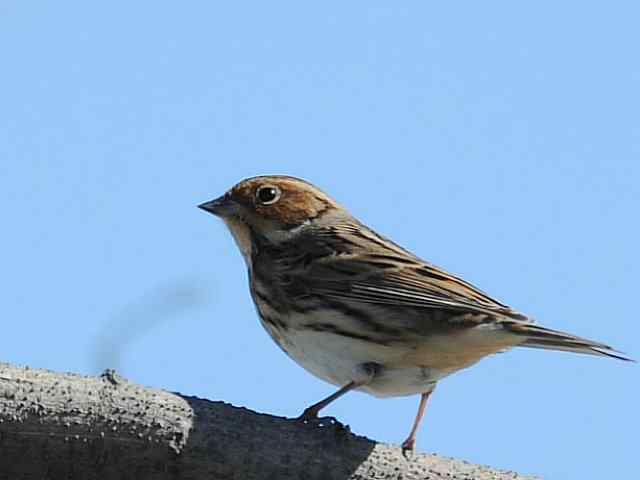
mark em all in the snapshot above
pixel 274 207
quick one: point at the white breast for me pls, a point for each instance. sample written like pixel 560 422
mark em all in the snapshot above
pixel 335 358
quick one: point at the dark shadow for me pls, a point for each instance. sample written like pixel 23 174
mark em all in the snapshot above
pixel 233 442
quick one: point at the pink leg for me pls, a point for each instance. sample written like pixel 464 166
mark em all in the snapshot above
pixel 410 442
pixel 313 410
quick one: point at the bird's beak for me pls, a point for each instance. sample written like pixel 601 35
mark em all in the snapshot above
pixel 222 206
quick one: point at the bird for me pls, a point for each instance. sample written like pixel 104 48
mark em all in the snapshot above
pixel 359 311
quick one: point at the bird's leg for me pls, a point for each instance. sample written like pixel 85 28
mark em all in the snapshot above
pixel 363 374
pixel 410 442
pixel 312 411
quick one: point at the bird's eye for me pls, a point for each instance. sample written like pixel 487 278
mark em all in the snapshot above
pixel 268 194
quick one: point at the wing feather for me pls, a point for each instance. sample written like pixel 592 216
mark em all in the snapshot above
pixel 367 268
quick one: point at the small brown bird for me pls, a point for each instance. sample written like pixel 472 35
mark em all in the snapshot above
pixel 359 311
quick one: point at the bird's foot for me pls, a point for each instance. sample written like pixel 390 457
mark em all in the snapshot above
pixel 408 447
pixel 308 415
pixel 312 418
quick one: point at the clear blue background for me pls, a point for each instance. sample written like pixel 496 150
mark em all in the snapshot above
pixel 498 140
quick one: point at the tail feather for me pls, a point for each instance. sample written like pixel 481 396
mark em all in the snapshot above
pixel 541 337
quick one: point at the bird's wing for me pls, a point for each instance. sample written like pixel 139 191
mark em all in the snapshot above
pixel 367 268
pixel 421 286
pixel 375 270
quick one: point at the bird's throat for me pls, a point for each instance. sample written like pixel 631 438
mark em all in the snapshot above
pixel 242 235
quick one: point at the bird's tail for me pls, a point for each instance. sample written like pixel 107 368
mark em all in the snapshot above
pixel 541 337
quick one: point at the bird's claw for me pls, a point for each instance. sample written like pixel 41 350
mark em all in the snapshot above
pixel 408 447
pixel 322 421
pixel 308 415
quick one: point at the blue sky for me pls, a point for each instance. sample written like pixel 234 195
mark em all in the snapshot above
pixel 498 140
